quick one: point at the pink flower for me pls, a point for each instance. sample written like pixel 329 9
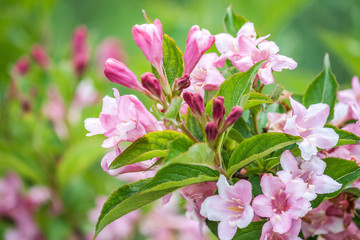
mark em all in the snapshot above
pixel 117 72
pixel 40 56
pixel 231 207
pixel 122 118
pixel 205 75
pixel 22 65
pixel 80 50
pixel 312 172
pixel 267 232
pixel 198 42
pixel 109 48
pixel 149 38
pixel 309 124
pixel 351 96
pixel 281 202
pixel 352 232
pixel 276 121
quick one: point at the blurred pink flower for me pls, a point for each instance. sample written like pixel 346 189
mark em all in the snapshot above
pixel 40 56
pixel 22 65
pixel 80 50
pixel 231 207
pixel 109 48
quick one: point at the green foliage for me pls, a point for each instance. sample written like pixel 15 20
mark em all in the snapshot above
pixel 257 147
pixel 251 232
pixel 341 170
pixel 233 21
pixel 152 145
pixel 322 89
pixel 256 99
pixel 173 111
pixel 192 124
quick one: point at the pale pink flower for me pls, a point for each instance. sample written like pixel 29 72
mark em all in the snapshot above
pixel 80 50
pixel 352 232
pixel 281 202
pixel 149 38
pixel 123 118
pixel 312 172
pixel 109 48
pixel 351 97
pixel 267 232
pixel 231 207
pixel 117 72
pixel 276 121
pixel 121 229
pixel 198 42
pixel 342 113
pixel 309 124
pixel 205 74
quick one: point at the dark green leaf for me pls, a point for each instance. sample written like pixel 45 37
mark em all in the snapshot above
pixel 177 146
pixel 235 135
pixel 322 89
pixel 152 145
pixel 255 182
pixel 257 147
pixel 194 127
pixel 345 137
pixel 243 128
pixel 341 170
pixel 251 232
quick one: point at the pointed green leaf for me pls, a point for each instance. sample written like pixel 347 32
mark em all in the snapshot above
pixel 257 99
pixel 257 147
pixel 277 91
pixel 345 137
pixel 233 22
pixel 193 126
pixel 323 88
pixel 152 145
pixel 172 59
pixel 341 170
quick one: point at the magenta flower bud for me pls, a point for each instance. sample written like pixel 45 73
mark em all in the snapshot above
pixel 80 50
pixel 109 48
pixel 198 42
pixel 117 72
pixel 40 56
pixel 149 38
pixel 22 66
pixel 233 116
pixel 150 83
pixel 183 82
pixel 188 98
pixel 211 131
pixel 218 110
pixel 198 103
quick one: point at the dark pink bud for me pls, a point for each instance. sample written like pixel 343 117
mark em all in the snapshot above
pixel 218 110
pixel 40 56
pixel 188 98
pixel 80 50
pixel 198 103
pixel 22 65
pixel 183 82
pixel 211 131
pixel 233 116
pixel 150 83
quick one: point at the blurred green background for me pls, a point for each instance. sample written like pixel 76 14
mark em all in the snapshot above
pixel 303 29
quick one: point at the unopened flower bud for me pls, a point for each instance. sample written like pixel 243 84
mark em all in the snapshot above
pixel 22 66
pixel 109 48
pixel 211 131
pixel 80 50
pixel 218 110
pixel 183 82
pixel 40 56
pixel 117 72
pixel 188 98
pixel 150 83
pixel 198 103
pixel 233 116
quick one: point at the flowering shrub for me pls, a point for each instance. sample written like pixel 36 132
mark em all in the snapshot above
pixel 294 177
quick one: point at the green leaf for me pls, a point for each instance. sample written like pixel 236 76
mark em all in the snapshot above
pixel 354 191
pixel 341 170
pixel 255 182
pixel 235 135
pixel 193 126
pixel 257 147
pixel 236 89
pixel 172 59
pixel 199 154
pixel 178 146
pixel 152 145
pixel 277 91
pixel 233 22
pixel 173 111
pixel 179 175
pixel 257 99
pixel 322 89
pixel 345 137
pixel 251 232
pixel 243 128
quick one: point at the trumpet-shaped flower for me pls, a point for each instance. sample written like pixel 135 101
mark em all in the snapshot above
pixel 281 202
pixel 123 118
pixel 267 232
pixel 312 172
pixel 231 207
pixel 309 124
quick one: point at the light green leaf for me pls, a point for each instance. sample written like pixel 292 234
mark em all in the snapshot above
pixel 152 145
pixel 193 126
pixel 257 147
pixel 322 89
pixel 277 91
pixel 233 22
pixel 257 99
pixel 172 59
pixel 177 146
pixel 341 170
pixel 345 137
pixel 173 111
